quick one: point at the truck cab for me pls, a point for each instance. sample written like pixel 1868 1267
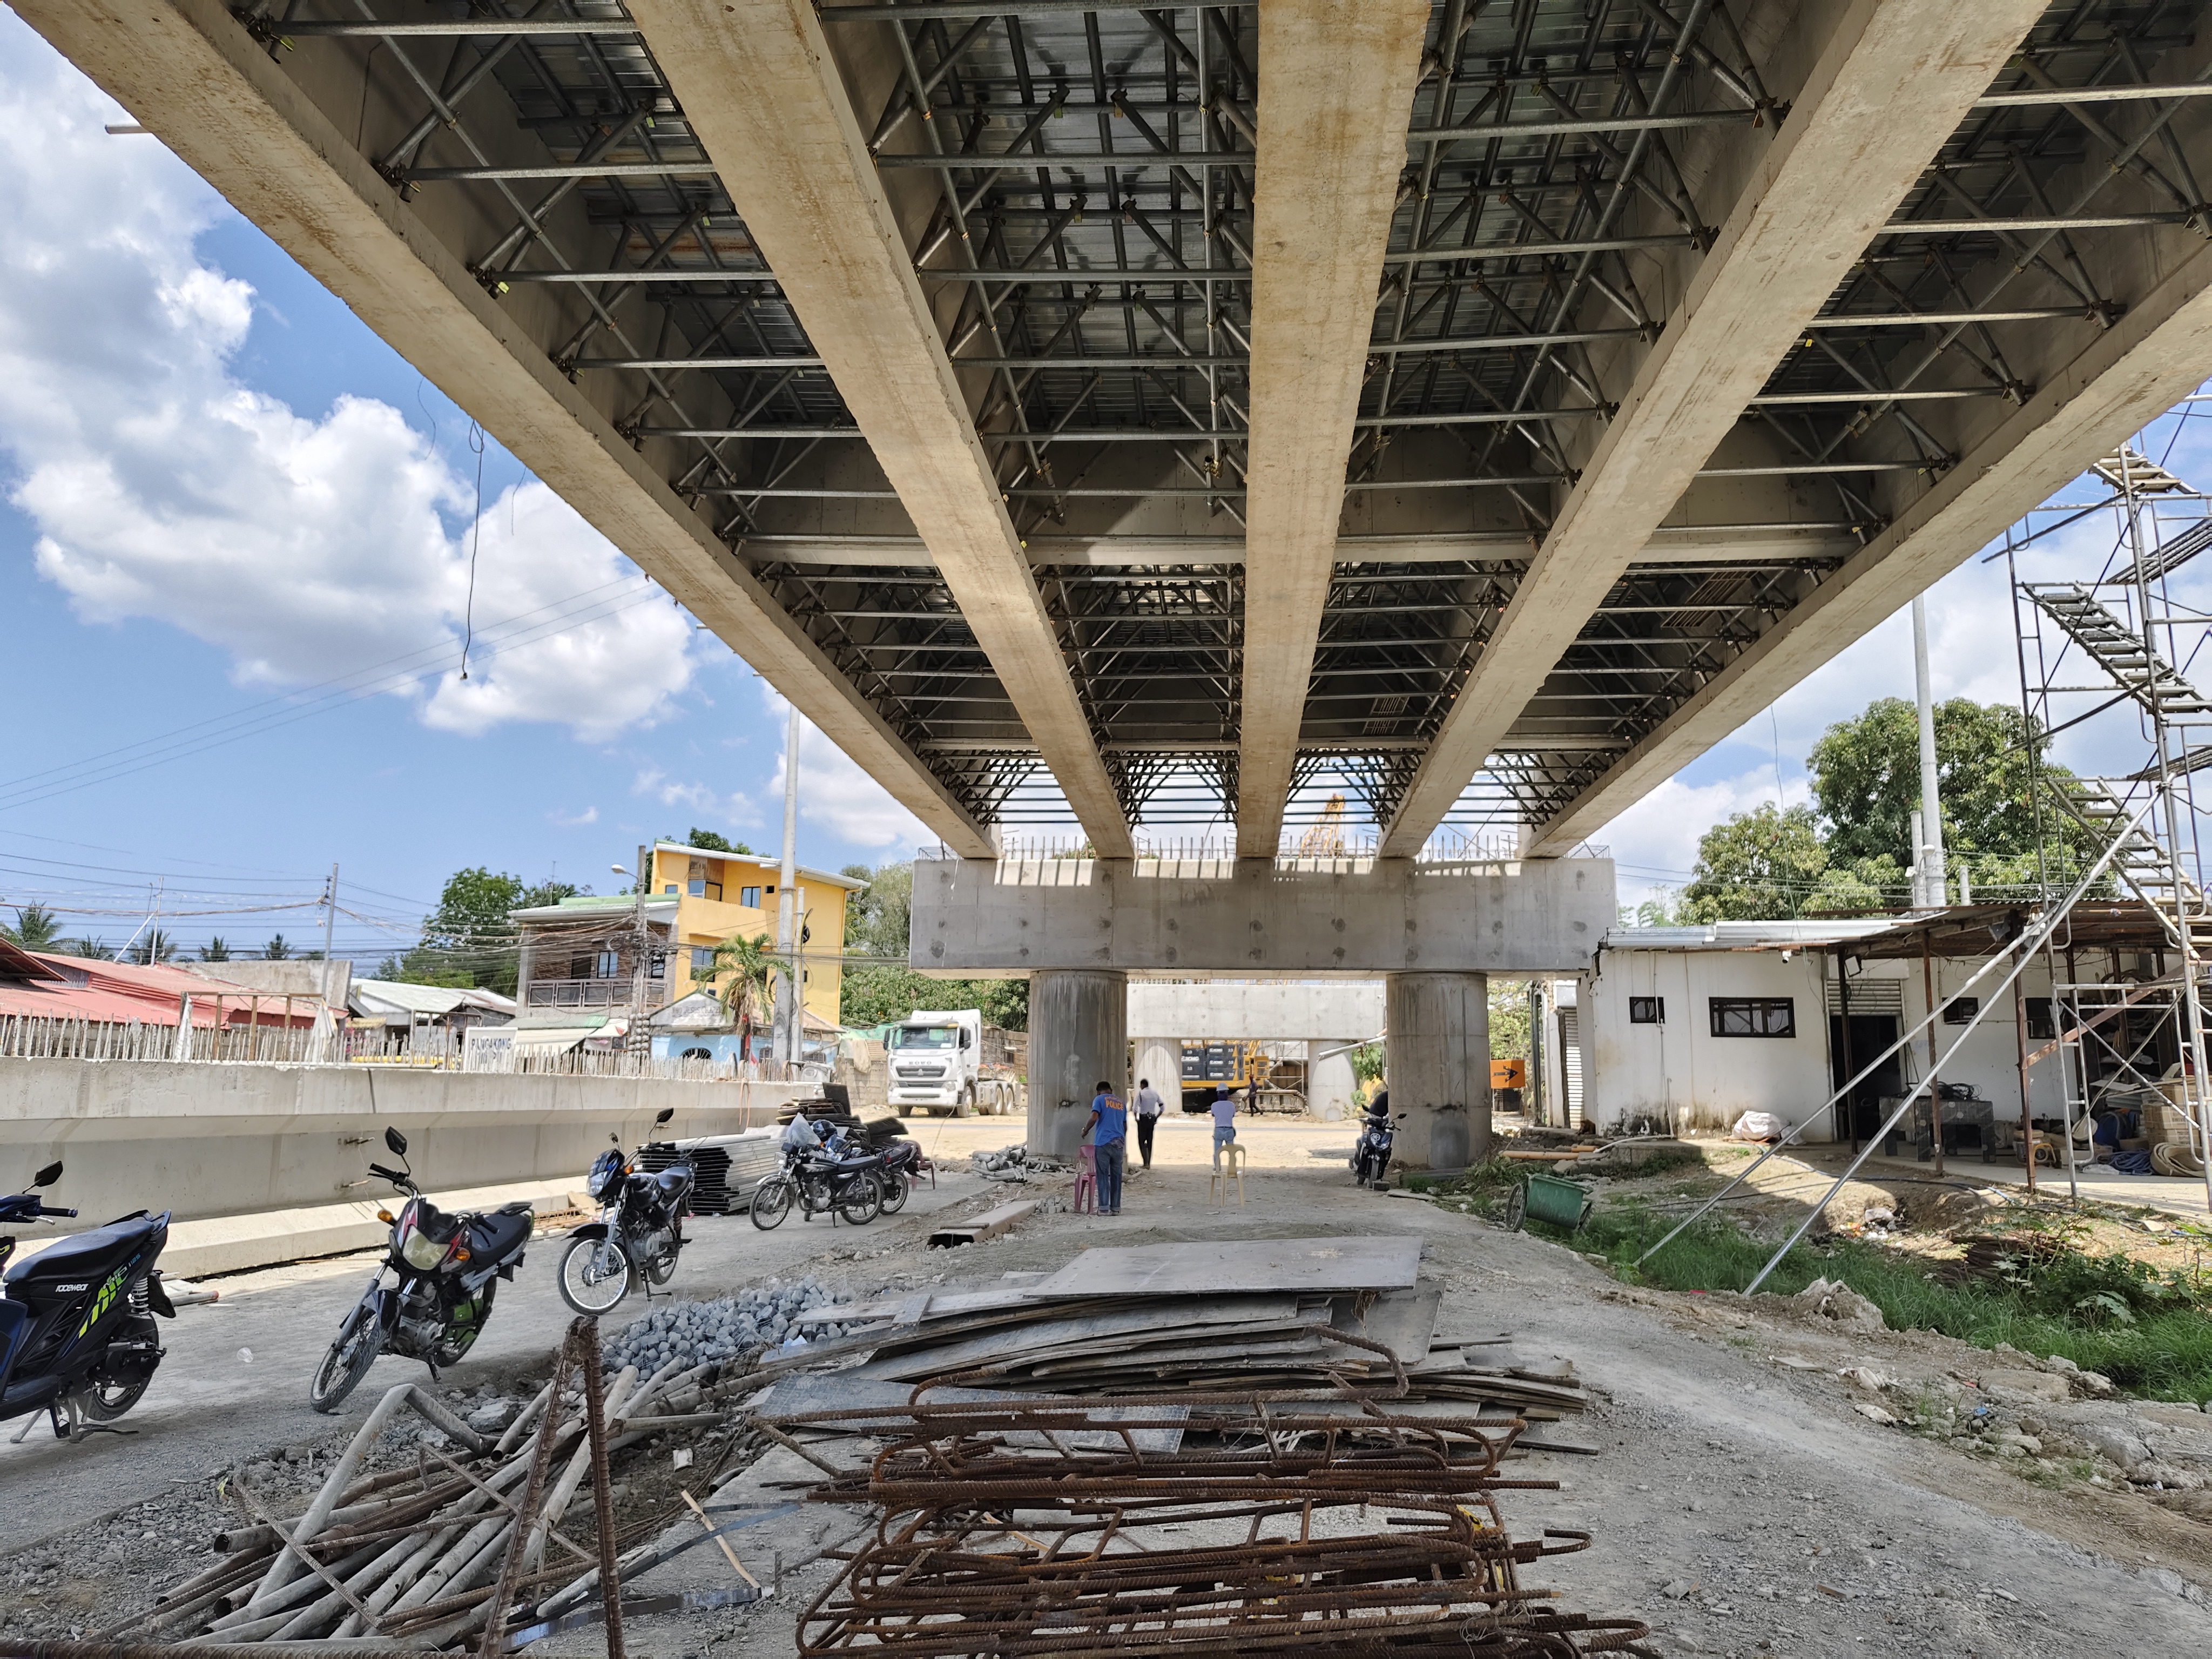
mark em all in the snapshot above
pixel 935 1057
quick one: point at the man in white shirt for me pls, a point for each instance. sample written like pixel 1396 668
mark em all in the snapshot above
pixel 1148 1117
pixel 1224 1119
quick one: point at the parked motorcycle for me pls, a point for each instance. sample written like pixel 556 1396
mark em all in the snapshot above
pixel 1371 1155
pixel 640 1233
pixel 903 1168
pixel 824 1179
pixel 77 1337
pixel 445 1266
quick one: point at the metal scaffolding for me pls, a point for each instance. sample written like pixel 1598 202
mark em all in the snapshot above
pixel 2118 644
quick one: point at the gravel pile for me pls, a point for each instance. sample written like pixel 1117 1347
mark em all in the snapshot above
pixel 699 1331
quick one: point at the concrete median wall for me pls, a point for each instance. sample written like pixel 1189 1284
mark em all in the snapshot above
pixel 261 1163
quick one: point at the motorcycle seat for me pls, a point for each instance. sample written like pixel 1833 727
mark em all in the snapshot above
pixel 495 1235
pixel 94 1251
pixel 519 1206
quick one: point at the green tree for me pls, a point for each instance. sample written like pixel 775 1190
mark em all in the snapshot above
pixel 215 949
pixel 35 929
pixel 90 949
pixel 878 921
pixel 1866 785
pixel 739 975
pixel 156 946
pixel 708 841
pixel 277 949
pixel 1757 866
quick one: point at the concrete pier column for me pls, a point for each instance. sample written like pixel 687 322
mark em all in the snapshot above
pixel 1329 1080
pixel 1078 1033
pixel 1159 1058
pixel 1439 1068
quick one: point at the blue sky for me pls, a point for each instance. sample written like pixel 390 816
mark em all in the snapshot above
pixel 236 541
pixel 226 508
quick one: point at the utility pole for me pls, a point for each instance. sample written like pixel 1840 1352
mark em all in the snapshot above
pixel 637 1039
pixel 789 1021
pixel 1930 884
pixel 330 926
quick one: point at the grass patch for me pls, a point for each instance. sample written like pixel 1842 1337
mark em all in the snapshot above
pixel 2149 1332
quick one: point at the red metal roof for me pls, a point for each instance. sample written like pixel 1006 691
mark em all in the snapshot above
pixel 84 987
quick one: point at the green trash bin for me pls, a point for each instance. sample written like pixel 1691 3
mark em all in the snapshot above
pixel 1554 1199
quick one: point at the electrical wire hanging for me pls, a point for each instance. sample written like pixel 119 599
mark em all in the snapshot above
pixel 476 540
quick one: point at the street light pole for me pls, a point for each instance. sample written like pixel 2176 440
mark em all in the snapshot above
pixel 637 1039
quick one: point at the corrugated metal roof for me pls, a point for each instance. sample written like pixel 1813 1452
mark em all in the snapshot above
pixel 389 996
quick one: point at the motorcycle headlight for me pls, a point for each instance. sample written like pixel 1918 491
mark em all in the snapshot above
pixel 420 1251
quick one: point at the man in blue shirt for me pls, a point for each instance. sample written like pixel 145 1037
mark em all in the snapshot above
pixel 1108 1132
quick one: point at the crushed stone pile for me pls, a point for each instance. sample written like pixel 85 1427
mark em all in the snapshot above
pixel 696 1332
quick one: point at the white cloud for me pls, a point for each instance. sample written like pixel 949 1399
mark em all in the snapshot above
pixel 1655 842
pixel 574 820
pixel 307 549
pixel 836 795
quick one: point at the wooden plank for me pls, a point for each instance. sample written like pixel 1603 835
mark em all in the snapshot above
pixel 835 1391
pixel 1095 1334
pixel 912 1312
pixel 1207 1267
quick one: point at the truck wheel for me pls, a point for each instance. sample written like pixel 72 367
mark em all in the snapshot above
pixel 966 1107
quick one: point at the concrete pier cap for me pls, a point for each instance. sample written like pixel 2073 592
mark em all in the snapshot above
pixel 1431 930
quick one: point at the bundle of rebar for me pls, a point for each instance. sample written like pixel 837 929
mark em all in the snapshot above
pixel 1021 1529
pixel 449 1549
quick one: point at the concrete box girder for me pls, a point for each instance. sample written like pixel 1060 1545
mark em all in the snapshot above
pixel 2157 354
pixel 761 86
pixel 1248 917
pixel 1339 77
pixel 1892 83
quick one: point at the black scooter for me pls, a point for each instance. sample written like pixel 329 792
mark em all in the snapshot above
pixel 445 1265
pixel 638 1236
pixel 831 1181
pixel 77 1337
pixel 1370 1156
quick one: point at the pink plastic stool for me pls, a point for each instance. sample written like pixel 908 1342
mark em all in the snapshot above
pixel 1086 1178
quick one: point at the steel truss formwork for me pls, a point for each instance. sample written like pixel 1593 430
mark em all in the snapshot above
pixel 1074 184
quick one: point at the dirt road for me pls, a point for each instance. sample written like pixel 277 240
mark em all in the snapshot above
pixel 1739 1501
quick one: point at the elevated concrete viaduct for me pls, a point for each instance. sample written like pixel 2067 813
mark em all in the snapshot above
pixel 1316 423
pixel 1432 932
pixel 1002 382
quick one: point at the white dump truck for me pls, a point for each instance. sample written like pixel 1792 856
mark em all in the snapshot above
pixel 944 1062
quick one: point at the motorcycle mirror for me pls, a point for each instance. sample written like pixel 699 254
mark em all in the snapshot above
pixel 663 1116
pixel 47 1176
pixel 396 1141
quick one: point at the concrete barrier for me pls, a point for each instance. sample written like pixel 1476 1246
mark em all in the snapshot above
pixel 261 1163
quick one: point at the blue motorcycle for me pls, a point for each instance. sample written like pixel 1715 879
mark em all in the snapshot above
pixel 77 1337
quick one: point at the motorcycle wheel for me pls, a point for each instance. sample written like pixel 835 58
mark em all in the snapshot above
pixel 103 1402
pixel 863 1201
pixel 1517 1208
pixel 358 1343
pixel 595 1275
pixel 662 1268
pixel 896 1187
pixel 771 1202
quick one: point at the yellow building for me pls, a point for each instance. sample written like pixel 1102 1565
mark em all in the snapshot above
pixel 581 952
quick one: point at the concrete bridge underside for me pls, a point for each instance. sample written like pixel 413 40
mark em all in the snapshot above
pixel 1155 417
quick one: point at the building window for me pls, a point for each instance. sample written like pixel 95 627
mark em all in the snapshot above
pixel 1960 1010
pixel 1754 1016
pixel 606 966
pixel 669 887
pixel 750 897
pixel 1647 1011
pixel 2040 1023
pixel 657 965
pixel 696 887
pixel 702 960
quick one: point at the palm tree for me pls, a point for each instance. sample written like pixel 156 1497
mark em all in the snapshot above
pixel 739 977
pixel 35 928
pixel 215 949
pixel 157 947
pixel 277 949
pixel 90 949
